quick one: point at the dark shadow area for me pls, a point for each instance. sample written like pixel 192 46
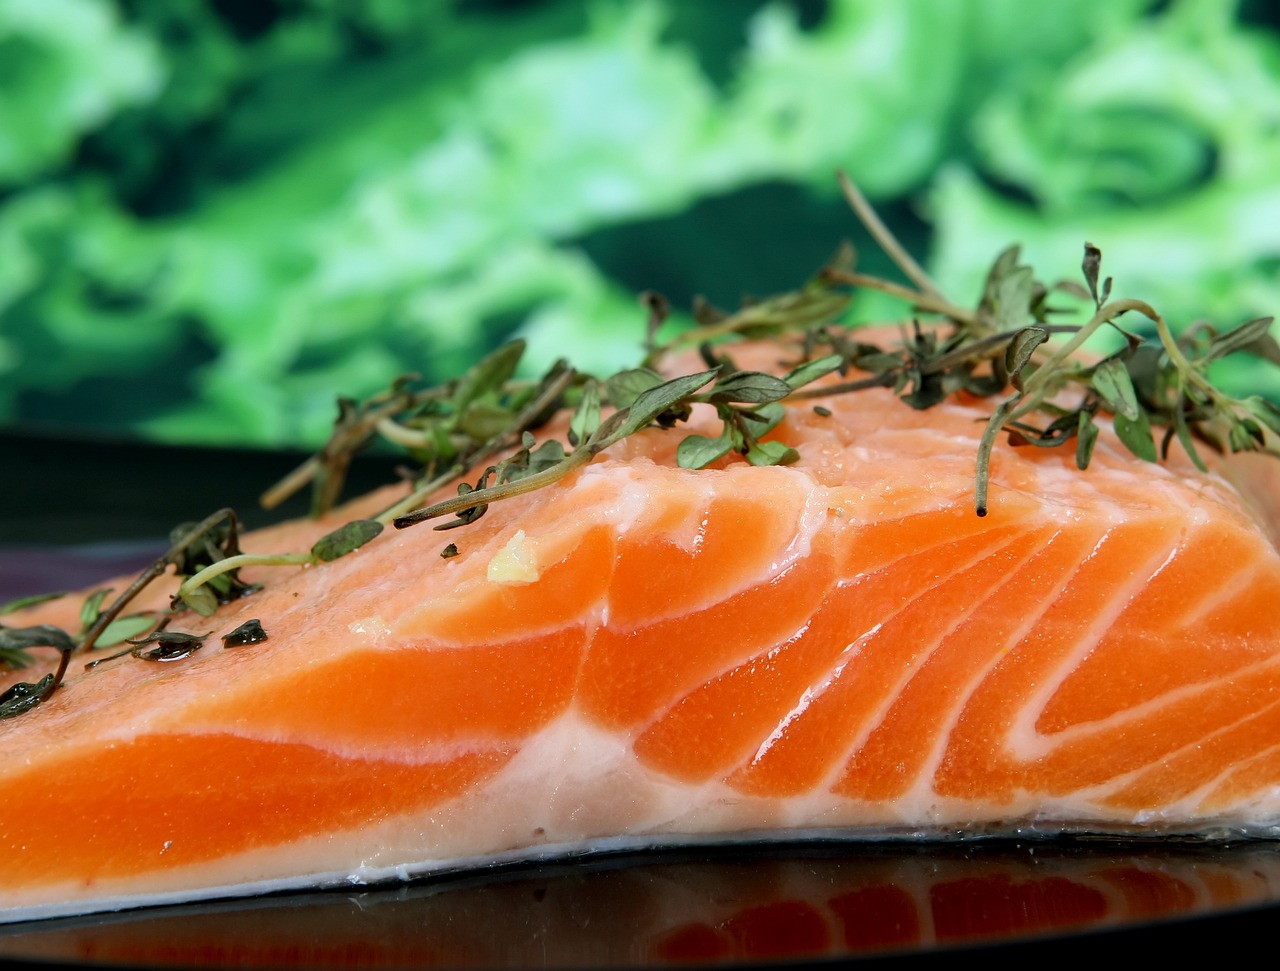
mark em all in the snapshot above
pixel 761 240
pixel 69 490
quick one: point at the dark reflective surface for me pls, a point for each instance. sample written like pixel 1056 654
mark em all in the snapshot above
pixel 805 903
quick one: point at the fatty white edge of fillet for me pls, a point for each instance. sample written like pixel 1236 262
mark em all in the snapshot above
pixel 386 877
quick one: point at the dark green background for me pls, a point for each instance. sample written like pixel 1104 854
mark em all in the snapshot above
pixel 216 216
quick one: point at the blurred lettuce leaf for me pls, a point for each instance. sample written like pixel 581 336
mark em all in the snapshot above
pixel 65 67
pixel 1138 119
pixel 1158 145
pixel 83 291
pixel 870 89
pixel 217 217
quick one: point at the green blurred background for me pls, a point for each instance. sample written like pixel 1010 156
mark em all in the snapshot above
pixel 216 215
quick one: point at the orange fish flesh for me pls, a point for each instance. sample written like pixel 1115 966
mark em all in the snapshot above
pixel 643 655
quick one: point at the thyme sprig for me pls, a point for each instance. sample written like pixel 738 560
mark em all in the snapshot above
pixel 534 410
pixel 447 429
pixel 1003 344
pixel 193 546
pixel 1013 346
pixel 195 591
pixel 662 402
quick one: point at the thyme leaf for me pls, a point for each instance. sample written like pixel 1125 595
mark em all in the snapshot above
pixel 664 404
pixel 1091 266
pixel 15 642
pixel 487 376
pixel 20 698
pixel 811 371
pixel 250 632
pixel 771 453
pixel 118 630
pixel 1086 438
pixel 91 607
pixel 18 656
pixel 21 603
pixel 749 387
pixel 1135 434
pixel 586 417
pixel 345 539
pixel 1252 337
pixel 1111 380
pixel 1018 354
pixel 123 628
pixel 39 635
pixel 626 386
pixel 170 646
pixel 1010 289
pixel 699 451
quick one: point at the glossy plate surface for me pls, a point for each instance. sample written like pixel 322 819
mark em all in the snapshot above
pixel 747 905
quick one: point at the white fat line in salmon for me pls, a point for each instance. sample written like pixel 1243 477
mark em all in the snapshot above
pixel 1024 741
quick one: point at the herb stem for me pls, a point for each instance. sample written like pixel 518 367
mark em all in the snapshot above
pixel 520 423
pixel 393 431
pixel 886 240
pixel 290 484
pixel 755 315
pixel 507 490
pixel 994 424
pixel 886 379
pixel 933 303
pixel 1104 314
pixel 153 571
pixel 64 662
pixel 1179 359
pixel 991 346
pixel 419 494
pixel 241 560
pixel 345 439
pixel 700 334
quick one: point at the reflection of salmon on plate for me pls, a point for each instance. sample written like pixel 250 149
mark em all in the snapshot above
pixel 751 601
pixel 754 904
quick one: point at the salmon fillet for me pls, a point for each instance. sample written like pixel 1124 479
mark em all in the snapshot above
pixel 645 655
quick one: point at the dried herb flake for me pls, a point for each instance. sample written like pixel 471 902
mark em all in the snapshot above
pixel 250 632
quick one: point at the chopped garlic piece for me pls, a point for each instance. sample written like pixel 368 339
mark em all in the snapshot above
pixel 517 562
pixel 372 627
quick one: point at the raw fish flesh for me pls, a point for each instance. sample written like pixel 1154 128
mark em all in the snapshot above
pixel 644 655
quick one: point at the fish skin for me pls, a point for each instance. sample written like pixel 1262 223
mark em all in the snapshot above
pixel 836 646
